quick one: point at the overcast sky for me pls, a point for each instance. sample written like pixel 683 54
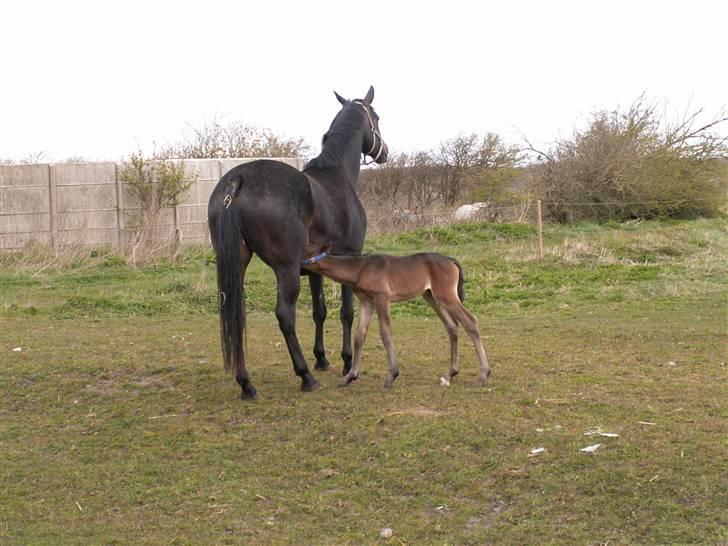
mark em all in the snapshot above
pixel 99 80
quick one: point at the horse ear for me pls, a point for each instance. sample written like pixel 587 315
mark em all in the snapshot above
pixel 341 99
pixel 370 95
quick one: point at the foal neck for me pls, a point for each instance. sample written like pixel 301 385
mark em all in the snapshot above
pixel 342 269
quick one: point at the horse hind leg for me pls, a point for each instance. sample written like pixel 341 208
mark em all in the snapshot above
pixel 347 319
pixel 248 391
pixel 289 286
pixel 452 331
pixel 319 316
pixel 470 323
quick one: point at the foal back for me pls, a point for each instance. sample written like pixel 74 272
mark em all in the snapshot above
pixel 400 278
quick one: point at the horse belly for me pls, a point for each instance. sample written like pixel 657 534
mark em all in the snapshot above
pixel 408 289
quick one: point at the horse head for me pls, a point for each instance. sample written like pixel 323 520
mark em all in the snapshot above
pixel 373 145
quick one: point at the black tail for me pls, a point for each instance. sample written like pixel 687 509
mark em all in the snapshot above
pixel 226 240
pixel 461 280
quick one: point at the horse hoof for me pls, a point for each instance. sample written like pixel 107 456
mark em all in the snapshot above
pixel 249 393
pixel 310 385
pixel 322 364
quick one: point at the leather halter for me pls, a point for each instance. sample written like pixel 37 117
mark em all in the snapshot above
pixel 376 137
pixel 314 259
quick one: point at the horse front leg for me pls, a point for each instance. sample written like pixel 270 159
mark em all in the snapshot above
pixel 347 319
pixel 316 282
pixel 366 310
pixel 289 286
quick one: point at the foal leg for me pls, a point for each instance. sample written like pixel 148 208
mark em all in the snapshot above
pixel 289 286
pixel 316 282
pixel 470 323
pixel 385 331
pixel 366 310
pixel 347 319
pixel 452 331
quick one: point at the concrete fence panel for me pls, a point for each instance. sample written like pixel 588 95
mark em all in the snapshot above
pixel 87 203
pixel 25 205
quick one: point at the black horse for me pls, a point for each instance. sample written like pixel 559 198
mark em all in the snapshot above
pixel 273 210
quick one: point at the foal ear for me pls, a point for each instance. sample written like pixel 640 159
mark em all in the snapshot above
pixel 370 95
pixel 341 99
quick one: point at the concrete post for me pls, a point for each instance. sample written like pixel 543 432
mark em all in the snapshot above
pixel 52 205
pixel 119 206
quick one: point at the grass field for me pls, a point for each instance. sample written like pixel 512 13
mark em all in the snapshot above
pixel 119 426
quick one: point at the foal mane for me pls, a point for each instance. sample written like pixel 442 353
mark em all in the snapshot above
pixel 336 140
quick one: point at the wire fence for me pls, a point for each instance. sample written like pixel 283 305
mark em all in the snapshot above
pixel 429 223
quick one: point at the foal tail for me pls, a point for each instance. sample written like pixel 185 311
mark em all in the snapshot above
pixel 461 280
pixel 224 222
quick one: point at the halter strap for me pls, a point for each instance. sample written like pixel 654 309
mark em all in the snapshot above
pixel 315 259
pixel 376 137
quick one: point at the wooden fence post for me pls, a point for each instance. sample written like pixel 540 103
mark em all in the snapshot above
pixel 539 226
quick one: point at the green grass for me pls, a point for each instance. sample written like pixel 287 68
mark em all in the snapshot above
pixel 118 425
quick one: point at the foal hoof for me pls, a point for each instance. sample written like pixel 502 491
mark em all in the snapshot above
pixel 483 380
pixel 346 380
pixel 309 384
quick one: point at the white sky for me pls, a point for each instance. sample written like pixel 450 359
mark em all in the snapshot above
pixel 101 79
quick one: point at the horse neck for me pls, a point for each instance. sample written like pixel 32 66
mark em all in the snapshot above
pixel 341 153
pixel 350 163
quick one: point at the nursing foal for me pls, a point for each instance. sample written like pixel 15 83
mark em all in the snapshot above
pixel 379 279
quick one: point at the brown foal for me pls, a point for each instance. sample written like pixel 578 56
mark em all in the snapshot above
pixel 379 279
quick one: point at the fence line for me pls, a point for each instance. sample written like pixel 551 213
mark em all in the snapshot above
pixel 91 270
pixel 623 203
pixel 88 203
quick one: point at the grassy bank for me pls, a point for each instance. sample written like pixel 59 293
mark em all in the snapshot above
pixel 119 426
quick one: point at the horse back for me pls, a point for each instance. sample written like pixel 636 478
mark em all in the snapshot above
pixel 404 277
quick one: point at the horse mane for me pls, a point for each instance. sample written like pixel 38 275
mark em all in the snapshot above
pixel 336 140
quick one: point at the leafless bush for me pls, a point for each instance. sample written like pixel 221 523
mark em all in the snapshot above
pixel 481 166
pixel 633 165
pixel 216 139
pixel 467 167
pixel 33 158
pixel 158 186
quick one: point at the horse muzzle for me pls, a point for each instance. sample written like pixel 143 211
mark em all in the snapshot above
pixel 383 154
